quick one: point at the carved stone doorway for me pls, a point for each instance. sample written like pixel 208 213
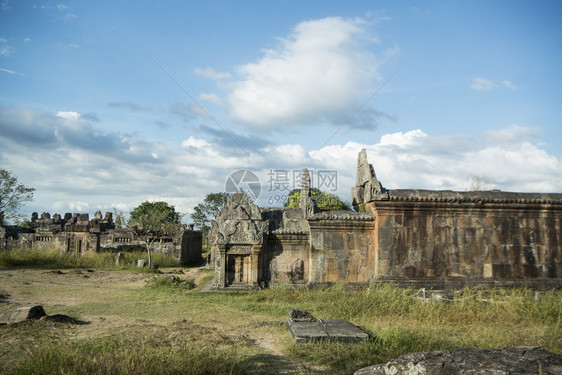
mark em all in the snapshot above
pixel 234 269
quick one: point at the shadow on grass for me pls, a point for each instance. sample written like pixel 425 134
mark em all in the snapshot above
pixel 271 364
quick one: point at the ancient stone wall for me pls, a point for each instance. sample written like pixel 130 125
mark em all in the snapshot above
pixel 471 235
pixel 410 237
pixel 286 259
pixel 341 250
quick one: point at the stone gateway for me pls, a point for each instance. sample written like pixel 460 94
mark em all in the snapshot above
pixel 430 238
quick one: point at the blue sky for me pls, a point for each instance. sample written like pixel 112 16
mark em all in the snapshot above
pixel 107 104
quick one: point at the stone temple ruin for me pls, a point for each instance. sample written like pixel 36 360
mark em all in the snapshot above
pixel 430 238
pixel 76 233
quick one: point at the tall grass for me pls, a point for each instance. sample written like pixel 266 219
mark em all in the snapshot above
pixel 51 258
pixel 182 348
pixel 403 323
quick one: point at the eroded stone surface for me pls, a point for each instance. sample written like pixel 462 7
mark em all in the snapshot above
pixel 304 327
pixel 501 361
pixel 22 314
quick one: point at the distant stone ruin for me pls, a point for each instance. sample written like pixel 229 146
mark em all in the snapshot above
pixel 76 233
pixel 430 238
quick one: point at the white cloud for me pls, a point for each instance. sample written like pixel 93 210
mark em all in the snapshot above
pixel 68 115
pixel 187 112
pixel 320 73
pixel 211 97
pixel 129 105
pixel 5 48
pixel 509 85
pixel 211 73
pixel 120 206
pixel 482 84
pixel 83 168
pixel 9 71
pixel 78 206
pixel 508 159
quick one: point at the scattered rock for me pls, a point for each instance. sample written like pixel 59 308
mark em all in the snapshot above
pixel 77 272
pixel 301 314
pixel 56 272
pixel 188 284
pixel 501 361
pixel 174 279
pixel 22 314
pixel 140 263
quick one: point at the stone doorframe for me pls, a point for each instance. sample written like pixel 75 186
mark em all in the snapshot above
pixel 237 252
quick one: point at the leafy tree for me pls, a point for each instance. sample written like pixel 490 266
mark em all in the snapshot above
pixel 204 212
pixel 12 196
pixel 120 220
pixel 324 201
pixel 153 220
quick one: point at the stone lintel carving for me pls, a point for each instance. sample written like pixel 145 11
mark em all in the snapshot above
pixel 367 187
pixel 343 215
pixel 239 222
pixel 239 249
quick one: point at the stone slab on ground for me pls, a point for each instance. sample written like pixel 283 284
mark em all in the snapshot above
pixel 501 361
pixel 22 314
pixel 310 329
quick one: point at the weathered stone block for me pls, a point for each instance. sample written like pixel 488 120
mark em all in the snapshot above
pixel 306 328
pixel 520 360
pixel 22 314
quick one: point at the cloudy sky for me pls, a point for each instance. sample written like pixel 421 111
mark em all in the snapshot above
pixel 106 104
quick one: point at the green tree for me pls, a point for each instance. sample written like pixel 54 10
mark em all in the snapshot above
pixel 324 201
pixel 204 212
pixel 153 220
pixel 120 220
pixel 12 196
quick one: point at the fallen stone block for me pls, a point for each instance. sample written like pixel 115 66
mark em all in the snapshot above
pixel 22 314
pixel 306 328
pixel 501 361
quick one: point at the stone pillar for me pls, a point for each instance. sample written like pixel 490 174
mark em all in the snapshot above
pixel 305 188
pixel 239 269
pixel 221 272
pixel 255 265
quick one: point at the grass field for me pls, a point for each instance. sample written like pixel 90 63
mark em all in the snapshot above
pixel 152 323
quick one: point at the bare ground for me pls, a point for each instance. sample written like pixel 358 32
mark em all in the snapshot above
pixel 96 295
